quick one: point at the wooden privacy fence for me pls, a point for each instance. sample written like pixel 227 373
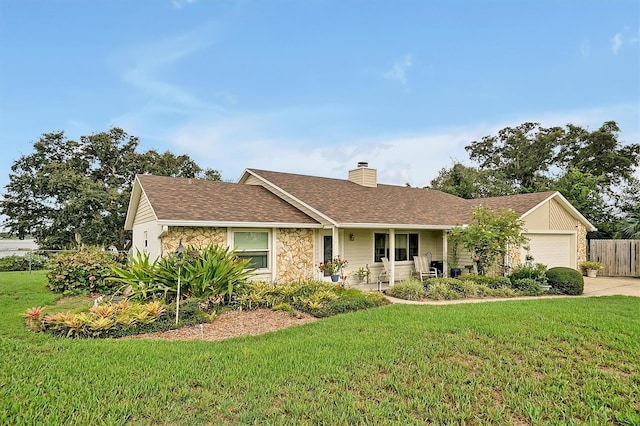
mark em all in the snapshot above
pixel 619 258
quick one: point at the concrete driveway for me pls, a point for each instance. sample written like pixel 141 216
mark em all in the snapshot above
pixel 608 286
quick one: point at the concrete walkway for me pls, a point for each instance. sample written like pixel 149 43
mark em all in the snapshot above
pixel 600 286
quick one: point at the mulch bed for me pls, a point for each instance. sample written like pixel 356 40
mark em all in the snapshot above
pixel 234 324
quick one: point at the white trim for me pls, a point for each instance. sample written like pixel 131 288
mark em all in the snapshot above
pixel 136 194
pixel 552 231
pixel 395 226
pixel 227 224
pixel 274 254
pixel 270 249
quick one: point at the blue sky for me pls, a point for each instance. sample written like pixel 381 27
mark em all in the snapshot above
pixel 314 86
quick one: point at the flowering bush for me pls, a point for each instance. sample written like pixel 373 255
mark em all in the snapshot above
pixel 332 267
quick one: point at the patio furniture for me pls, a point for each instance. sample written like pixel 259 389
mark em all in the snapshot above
pixel 384 273
pixel 423 270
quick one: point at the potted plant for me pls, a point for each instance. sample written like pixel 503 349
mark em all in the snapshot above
pixel 363 274
pixel 591 268
pixel 333 268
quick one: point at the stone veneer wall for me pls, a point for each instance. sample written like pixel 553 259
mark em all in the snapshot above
pixel 515 256
pixel 197 237
pixel 581 243
pixel 294 250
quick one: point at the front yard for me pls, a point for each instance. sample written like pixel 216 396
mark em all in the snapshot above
pixel 557 361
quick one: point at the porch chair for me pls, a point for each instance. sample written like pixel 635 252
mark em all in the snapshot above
pixel 384 273
pixel 423 268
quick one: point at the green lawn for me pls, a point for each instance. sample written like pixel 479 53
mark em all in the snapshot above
pixel 559 361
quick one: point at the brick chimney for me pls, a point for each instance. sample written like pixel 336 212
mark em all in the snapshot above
pixel 363 175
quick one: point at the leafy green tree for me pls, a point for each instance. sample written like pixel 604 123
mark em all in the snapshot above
pixel 68 191
pixel 470 182
pixel 582 190
pixel 490 234
pixel 522 155
pixel 629 204
pixel 599 153
pixel 590 168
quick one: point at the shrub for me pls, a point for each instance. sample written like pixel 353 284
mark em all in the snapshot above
pixel 489 281
pixel 27 262
pixel 537 272
pixel 317 298
pixel 211 271
pixel 408 290
pixel 82 272
pixel 348 300
pixel 527 286
pixel 566 280
pixel 454 288
pixel 441 290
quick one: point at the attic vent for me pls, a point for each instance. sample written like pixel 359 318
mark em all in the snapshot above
pixel 363 175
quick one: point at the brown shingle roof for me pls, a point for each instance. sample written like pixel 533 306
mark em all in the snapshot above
pixel 348 202
pixel 183 199
pixel 520 203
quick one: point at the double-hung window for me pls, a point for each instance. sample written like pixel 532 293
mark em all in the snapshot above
pixel 406 246
pixel 253 245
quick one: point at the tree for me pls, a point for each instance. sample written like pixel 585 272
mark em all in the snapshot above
pixel 582 190
pixel 592 169
pixel 599 153
pixel 629 204
pixel 470 182
pixel 522 155
pixel 490 234
pixel 67 191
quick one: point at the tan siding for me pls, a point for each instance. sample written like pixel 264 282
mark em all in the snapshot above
pixel 145 212
pixel 538 219
pixel 364 176
pixel 559 218
pixel 252 180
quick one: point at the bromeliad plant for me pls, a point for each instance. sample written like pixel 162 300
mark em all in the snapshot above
pixel 213 271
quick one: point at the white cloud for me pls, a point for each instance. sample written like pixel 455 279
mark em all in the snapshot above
pixel 398 71
pixel 624 37
pixel 616 43
pixel 585 48
pixel 179 4
pixel 231 144
pixel 144 66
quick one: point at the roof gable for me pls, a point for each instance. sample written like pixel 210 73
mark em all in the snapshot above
pixel 345 202
pixel 182 200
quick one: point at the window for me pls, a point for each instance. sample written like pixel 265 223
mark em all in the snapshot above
pixel 406 246
pixel 253 245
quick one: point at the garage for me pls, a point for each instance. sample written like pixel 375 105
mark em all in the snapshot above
pixel 552 249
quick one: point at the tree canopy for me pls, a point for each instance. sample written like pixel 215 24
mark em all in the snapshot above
pixel 592 169
pixel 68 191
pixel 489 235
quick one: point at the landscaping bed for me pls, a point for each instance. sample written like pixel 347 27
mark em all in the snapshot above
pixel 234 324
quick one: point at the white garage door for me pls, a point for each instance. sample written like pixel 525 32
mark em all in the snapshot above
pixel 551 249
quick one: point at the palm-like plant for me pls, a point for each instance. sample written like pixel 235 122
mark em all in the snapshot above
pixel 630 226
